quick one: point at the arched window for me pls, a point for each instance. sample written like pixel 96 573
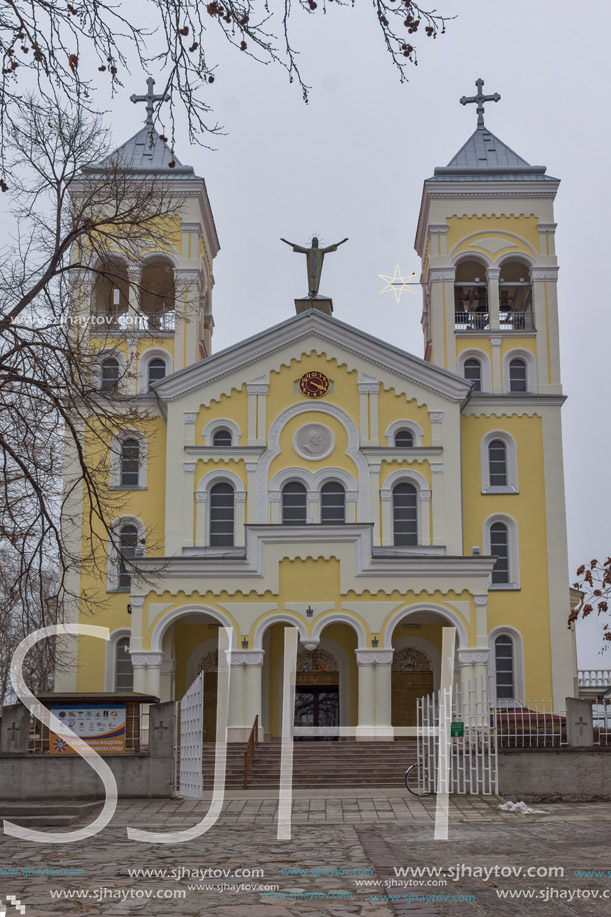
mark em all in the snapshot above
pixel 130 463
pixel 156 370
pixel 221 438
pixel 499 547
pixel 110 374
pixel 222 500
pixel 111 296
pixel 404 438
pixel 473 373
pixel 517 375
pixel 124 672
pixel 515 295
pixel 504 666
pixel 294 504
pixel 158 294
pixel 332 503
pixel 405 514
pixel 128 546
pixel 497 463
pixel 471 296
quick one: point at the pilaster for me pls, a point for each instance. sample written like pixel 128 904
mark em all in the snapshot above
pixel 492 278
pixel 188 497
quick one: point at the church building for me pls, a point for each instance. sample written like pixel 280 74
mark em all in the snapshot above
pixel 316 477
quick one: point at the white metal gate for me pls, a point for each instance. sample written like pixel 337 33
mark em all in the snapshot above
pixel 191 739
pixel 472 755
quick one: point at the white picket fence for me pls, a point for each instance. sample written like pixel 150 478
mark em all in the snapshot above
pixel 191 737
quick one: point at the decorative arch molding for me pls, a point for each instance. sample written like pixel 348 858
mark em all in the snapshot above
pixel 528 260
pixel 511 453
pixel 470 256
pixel 409 476
pixel 221 423
pixel 171 617
pixel 409 610
pixel 340 618
pixel 313 481
pixel 353 452
pixel 513 545
pixel 111 656
pixel 280 618
pixel 145 358
pixel 471 354
pixel 217 476
pixel 489 234
pixel 159 254
pixel 116 452
pixel 343 668
pixel 531 370
pixel 426 647
pixel 410 425
pixel 518 662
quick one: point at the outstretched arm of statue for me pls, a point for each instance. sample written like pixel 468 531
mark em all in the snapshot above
pixel 295 247
pixel 333 248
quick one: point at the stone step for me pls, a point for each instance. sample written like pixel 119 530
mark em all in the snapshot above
pixel 41 815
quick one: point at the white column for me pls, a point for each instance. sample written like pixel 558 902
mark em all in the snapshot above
pixel 374 715
pixel 366 686
pixel 167 672
pixel 439 535
pixel 387 521
pixel 187 505
pixel 481 618
pixel 201 528
pixel 497 373
pixel 251 489
pixel 441 317
pixel 257 406
pixel 368 398
pixel 474 667
pixel 492 278
pixel 239 508
pixel 275 507
pixel 424 513
pixel 383 696
pixel 313 510
pixel 147 671
pixel 190 418
pixel 352 497
pixel 188 283
pixel 374 497
pixel 245 694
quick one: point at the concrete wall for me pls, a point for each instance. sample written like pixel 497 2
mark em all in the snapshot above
pixel 25 777
pixel 56 777
pixel 569 774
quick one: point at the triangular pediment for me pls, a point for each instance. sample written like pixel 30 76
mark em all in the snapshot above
pixel 252 359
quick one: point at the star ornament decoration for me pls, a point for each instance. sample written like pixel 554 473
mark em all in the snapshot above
pixel 398 283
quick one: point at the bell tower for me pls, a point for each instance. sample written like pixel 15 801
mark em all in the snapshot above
pixel 489 270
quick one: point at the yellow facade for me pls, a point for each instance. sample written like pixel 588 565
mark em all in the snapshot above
pixel 411 495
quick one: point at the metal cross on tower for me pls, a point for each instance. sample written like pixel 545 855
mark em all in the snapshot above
pixel 150 98
pixel 480 98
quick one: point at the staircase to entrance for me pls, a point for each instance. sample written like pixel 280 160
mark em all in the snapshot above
pixel 316 765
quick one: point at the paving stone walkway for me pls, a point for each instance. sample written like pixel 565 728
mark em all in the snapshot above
pixel 341 839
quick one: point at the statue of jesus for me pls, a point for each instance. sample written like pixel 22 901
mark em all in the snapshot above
pixel 314 257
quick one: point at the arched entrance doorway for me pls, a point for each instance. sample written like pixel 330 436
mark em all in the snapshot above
pixel 412 677
pixel 316 690
pixel 209 666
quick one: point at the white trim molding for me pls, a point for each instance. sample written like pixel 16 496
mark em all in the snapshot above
pixel 221 423
pixel 374 656
pixel 423 492
pixel 409 610
pixel 513 545
pixel 411 425
pixel 170 617
pixel 153 353
pixel 511 463
pixel 96 371
pixel 518 662
pixel 484 361
pixel 531 370
pixel 219 475
pixel 116 454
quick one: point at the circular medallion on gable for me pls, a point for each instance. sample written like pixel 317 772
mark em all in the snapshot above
pixel 313 441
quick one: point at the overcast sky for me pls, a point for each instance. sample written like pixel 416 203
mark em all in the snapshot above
pixel 352 163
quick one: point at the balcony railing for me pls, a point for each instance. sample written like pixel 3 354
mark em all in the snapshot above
pixel 480 321
pixel 133 321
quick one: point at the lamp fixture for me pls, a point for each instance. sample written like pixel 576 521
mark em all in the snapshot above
pixel 309 612
pixel 374 642
pixel 244 643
